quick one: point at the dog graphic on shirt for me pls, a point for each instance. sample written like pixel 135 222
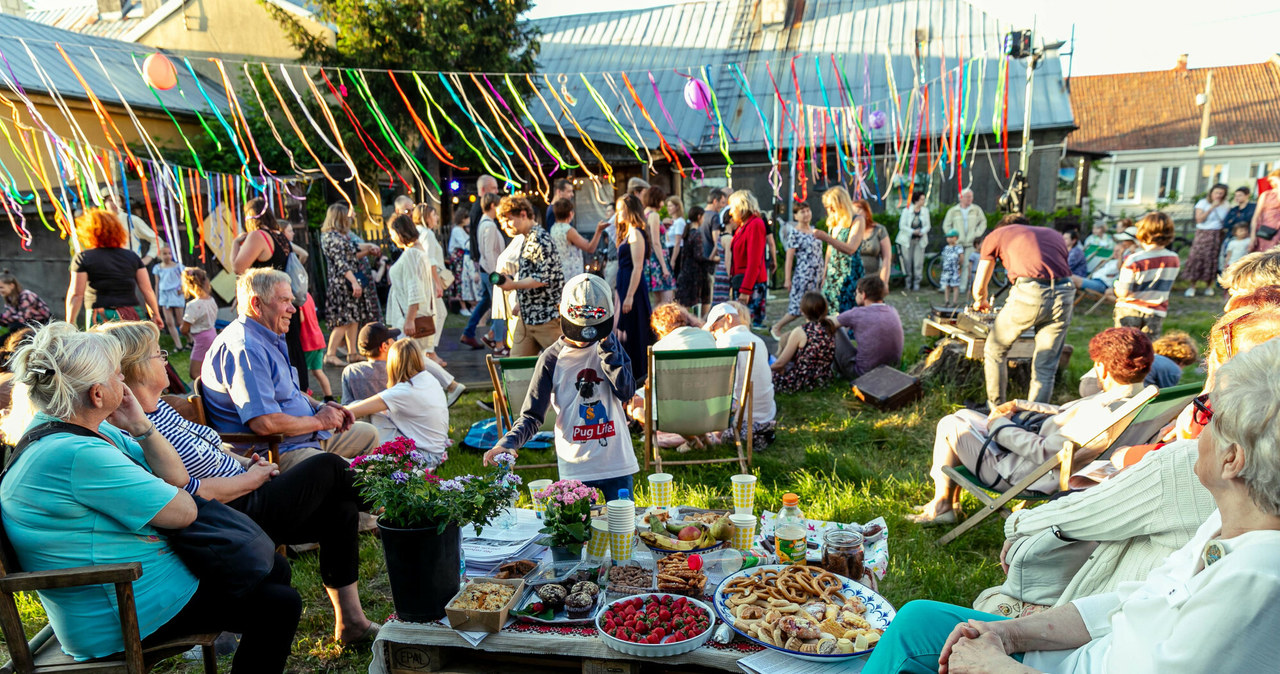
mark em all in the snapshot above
pixel 593 415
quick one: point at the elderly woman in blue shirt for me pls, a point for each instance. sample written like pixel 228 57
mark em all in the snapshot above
pixel 99 496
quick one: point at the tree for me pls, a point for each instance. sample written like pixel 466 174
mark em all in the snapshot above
pixel 419 35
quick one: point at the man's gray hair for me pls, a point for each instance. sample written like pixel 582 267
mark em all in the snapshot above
pixel 260 283
pixel 486 181
pixel 404 203
pixel 966 191
pixel 1247 408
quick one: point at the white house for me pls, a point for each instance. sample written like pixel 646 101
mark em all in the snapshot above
pixel 1149 125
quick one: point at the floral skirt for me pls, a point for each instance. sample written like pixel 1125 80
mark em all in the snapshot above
pixel 1202 261
pixel 466 287
pixel 657 282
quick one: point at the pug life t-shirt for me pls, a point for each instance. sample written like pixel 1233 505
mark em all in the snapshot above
pixel 592 440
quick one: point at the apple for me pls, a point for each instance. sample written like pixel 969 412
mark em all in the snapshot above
pixel 689 533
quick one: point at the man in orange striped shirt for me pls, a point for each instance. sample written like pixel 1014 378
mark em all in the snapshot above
pixel 1142 289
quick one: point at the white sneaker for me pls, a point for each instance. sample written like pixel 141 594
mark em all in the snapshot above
pixel 1210 291
pixel 458 389
pixel 464 312
pixel 1191 292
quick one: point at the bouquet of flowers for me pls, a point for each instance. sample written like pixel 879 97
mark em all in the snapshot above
pixel 395 480
pixel 568 516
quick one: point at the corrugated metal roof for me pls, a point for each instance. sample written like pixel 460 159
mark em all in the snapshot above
pixel 84 19
pixel 116 56
pixel 861 34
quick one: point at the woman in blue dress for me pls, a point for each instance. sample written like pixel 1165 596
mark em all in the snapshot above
pixel 633 327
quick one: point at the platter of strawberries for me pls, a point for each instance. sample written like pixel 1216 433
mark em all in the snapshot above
pixel 655 624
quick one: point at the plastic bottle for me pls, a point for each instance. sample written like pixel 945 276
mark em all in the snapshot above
pixel 790 532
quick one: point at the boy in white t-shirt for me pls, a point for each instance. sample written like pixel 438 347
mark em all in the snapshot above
pixel 585 376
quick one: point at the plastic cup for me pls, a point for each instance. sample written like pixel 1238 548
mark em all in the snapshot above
pixel 539 506
pixel 599 543
pixel 661 489
pixel 744 494
pixel 621 545
pixel 744 531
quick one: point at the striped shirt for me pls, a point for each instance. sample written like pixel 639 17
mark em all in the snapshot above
pixel 1146 279
pixel 197 446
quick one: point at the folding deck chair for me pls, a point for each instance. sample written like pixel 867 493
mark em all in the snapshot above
pixel 691 393
pixel 511 379
pixel 1157 414
pixel 1085 443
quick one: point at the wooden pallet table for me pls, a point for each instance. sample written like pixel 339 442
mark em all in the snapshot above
pixel 412 648
pixel 1024 347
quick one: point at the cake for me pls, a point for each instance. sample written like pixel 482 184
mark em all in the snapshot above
pixel 552 594
pixel 585 587
pixel 578 605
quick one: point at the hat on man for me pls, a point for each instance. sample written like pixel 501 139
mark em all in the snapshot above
pixel 1129 234
pixel 373 336
pixel 718 312
pixel 586 308
pixel 637 184
pixel 953 232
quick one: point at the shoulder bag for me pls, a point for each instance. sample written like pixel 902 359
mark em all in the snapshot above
pixel 222 547
pixel 1042 565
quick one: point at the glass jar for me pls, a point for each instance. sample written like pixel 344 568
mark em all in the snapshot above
pixel 842 553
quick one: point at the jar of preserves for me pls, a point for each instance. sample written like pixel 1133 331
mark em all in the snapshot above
pixel 842 553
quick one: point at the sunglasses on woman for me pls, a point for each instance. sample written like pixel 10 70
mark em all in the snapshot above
pixel 1202 412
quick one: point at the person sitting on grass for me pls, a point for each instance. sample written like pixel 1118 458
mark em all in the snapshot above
pixel 1175 620
pixel 999 452
pixel 730 322
pixel 1251 272
pixel 367 378
pixel 413 401
pixel 874 327
pixel 807 354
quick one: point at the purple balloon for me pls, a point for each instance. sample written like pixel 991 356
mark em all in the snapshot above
pixel 696 94
pixel 877 119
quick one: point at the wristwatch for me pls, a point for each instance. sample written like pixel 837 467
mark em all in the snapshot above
pixel 145 434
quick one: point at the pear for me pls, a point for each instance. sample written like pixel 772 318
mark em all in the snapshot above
pixel 722 529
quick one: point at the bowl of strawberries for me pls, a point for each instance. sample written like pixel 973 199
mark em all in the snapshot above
pixel 655 625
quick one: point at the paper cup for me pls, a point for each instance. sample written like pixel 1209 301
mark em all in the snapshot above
pixel 599 543
pixel 621 545
pixel 622 516
pixel 744 531
pixel 661 489
pixel 539 506
pixel 744 494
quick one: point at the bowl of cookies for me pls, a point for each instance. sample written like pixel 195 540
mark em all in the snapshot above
pixel 482 604
pixel 803 611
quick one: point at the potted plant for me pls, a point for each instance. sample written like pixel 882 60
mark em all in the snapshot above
pixel 567 520
pixel 420 519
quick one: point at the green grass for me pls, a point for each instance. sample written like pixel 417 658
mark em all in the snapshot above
pixel 847 462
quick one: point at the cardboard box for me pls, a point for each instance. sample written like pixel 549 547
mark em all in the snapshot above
pixel 483 621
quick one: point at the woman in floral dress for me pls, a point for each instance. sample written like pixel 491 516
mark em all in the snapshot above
pixel 807 354
pixel 804 267
pixel 844 263
pixel 661 281
pixel 467 287
pixel 350 298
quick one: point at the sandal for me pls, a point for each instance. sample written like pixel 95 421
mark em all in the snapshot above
pixel 366 637
pixel 333 361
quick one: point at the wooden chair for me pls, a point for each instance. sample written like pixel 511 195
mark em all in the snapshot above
pixel 1085 442
pixel 511 379
pixel 194 410
pixel 691 393
pixel 43 653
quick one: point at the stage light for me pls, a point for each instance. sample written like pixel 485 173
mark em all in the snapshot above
pixel 454 185
pixel 455 200
pixel 472 198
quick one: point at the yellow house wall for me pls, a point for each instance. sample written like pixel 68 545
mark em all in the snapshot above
pixel 232 28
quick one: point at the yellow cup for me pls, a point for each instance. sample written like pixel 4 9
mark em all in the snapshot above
pixel 599 543
pixel 744 494
pixel 539 505
pixel 621 545
pixel 744 531
pixel 661 489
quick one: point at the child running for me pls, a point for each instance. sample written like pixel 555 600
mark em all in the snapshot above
pixel 199 318
pixel 804 266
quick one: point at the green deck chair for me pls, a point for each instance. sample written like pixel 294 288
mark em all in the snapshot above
pixel 1086 442
pixel 511 379
pixel 691 393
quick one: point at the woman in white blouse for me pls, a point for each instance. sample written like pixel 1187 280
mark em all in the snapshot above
pixel 414 402
pixel 1211 607
pixel 913 238
pixel 427 219
pixel 413 289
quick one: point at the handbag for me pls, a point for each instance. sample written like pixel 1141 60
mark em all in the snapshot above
pixel 1026 420
pixel 1265 232
pixel 299 281
pixel 222 547
pixel 423 326
pixel 1042 565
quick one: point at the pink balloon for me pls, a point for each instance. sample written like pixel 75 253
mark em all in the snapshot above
pixel 696 94
pixel 877 119
pixel 159 72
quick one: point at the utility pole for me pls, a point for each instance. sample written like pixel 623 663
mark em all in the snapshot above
pixel 1206 103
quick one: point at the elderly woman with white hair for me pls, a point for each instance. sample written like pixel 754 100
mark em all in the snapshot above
pixel 94 484
pixel 1210 607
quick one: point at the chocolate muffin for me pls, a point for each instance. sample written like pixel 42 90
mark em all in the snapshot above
pixel 579 605
pixel 585 587
pixel 552 594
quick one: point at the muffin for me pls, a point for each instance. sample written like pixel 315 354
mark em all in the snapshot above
pixel 552 594
pixel 579 605
pixel 585 587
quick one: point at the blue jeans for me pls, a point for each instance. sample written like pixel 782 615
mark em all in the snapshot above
pixel 480 309
pixel 914 641
pixel 610 486
pixel 1095 284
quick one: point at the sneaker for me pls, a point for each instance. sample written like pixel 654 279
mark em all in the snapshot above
pixel 465 313
pixel 1210 291
pixel 1191 292
pixel 456 393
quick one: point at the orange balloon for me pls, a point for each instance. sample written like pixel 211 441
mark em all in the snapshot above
pixel 159 72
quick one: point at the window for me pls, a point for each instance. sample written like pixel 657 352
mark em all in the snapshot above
pixel 1214 174
pixel 1127 184
pixel 1262 168
pixel 1170 182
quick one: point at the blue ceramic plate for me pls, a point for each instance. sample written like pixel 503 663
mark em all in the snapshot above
pixel 879 612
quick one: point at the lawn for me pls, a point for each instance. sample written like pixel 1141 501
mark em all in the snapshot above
pixel 846 461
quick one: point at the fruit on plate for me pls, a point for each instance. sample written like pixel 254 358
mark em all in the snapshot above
pixel 722 529
pixel 654 620
pixel 689 533
pixel 668 543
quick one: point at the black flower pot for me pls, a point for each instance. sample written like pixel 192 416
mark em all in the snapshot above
pixel 423 567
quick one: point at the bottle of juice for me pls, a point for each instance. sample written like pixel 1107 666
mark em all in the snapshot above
pixel 789 532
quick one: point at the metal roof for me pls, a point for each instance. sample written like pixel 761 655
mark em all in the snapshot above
pixel 117 57
pixel 83 18
pixel 861 34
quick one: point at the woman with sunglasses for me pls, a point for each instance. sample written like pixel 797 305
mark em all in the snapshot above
pixel 1208 607
pixel 1140 515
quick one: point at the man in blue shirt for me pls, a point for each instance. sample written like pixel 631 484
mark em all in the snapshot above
pixel 1076 259
pixel 249 386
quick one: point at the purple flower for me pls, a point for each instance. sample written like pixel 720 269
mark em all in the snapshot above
pixel 451 485
pixel 511 480
pixel 505 458
pixel 417 456
pixel 400 477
